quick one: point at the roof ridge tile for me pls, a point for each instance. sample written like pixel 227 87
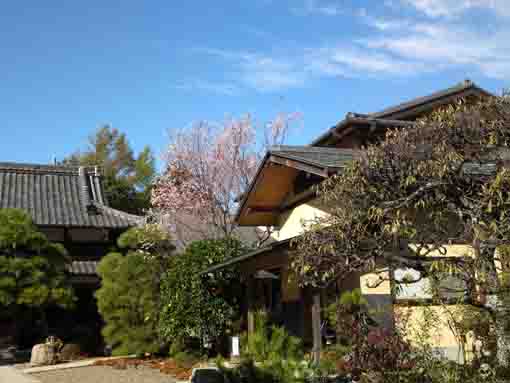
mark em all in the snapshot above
pixel 309 149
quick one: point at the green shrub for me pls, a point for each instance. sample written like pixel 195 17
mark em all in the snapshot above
pixel 199 306
pixel 33 275
pixel 128 298
pixel 275 353
pixel 186 359
pixel 127 301
pixel 176 347
pixel 249 372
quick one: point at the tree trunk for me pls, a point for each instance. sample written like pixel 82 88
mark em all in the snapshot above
pixel 250 298
pixel 493 300
pixel 316 326
pixel 501 313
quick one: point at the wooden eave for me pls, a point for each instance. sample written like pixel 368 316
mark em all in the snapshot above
pixel 272 255
pixel 304 166
pixel 264 200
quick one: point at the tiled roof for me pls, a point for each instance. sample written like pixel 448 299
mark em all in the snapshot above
pixel 60 196
pixel 318 156
pixel 387 116
pixel 249 255
pixel 186 229
pixel 83 267
pixel 461 87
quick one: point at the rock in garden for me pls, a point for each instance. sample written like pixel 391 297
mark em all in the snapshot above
pixel 70 351
pixel 7 354
pixel 43 354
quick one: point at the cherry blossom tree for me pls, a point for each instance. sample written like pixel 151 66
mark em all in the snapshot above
pixel 207 168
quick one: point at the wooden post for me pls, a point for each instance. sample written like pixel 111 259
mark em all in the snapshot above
pixel 316 326
pixel 250 297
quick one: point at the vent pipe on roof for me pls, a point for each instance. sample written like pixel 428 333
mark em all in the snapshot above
pixel 97 185
pixel 84 187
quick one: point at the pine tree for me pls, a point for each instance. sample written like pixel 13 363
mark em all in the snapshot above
pixel 127 177
pixel 32 269
pixel 128 298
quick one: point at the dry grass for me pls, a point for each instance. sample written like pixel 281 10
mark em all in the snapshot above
pixel 165 366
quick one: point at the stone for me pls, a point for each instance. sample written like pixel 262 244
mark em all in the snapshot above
pixel 70 351
pixel 43 354
pixel 7 355
pixel 207 375
pixel 6 340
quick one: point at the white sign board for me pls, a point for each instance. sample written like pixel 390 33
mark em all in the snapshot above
pixel 235 346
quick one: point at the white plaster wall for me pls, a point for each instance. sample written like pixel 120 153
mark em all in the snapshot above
pixel 295 222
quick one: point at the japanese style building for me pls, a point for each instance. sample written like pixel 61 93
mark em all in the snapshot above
pixel 281 196
pixel 68 205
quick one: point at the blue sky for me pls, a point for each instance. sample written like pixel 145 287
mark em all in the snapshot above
pixel 149 66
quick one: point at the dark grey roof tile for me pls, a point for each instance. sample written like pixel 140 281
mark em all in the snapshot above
pixel 52 195
pixel 83 267
pixel 318 156
pixel 462 89
pixel 462 86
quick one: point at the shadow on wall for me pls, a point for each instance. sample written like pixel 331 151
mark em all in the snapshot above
pixel 381 309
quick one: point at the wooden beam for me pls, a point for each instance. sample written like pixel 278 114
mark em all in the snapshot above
pixel 298 199
pixel 341 134
pixel 347 126
pixel 263 209
pixel 250 297
pixel 316 326
pixel 370 122
pixel 299 165
pixel 335 133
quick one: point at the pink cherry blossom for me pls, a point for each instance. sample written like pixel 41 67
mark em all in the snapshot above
pixel 208 167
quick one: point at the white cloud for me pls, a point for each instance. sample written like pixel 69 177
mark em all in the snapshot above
pixel 390 47
pixel 354 61
pixel 381 23
pixel 448 46
pixel 320 7
pixel 440 8
pixel 261 71
pixel 197 85
pixel 267 73
pixel 453 8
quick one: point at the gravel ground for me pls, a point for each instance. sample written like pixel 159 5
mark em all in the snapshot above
pixel 101 374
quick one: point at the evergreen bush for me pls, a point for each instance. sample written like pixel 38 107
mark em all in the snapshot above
pixel 196 306
pixel 271 354
pixel 128 299
pixel 33 273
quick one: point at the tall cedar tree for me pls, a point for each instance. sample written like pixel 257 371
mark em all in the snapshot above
pixel 32 269
pixel 127 177
pixel 128 298
pixel 444 181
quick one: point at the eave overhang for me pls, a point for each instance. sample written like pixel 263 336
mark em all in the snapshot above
pixel 274 180
pixel 266 250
